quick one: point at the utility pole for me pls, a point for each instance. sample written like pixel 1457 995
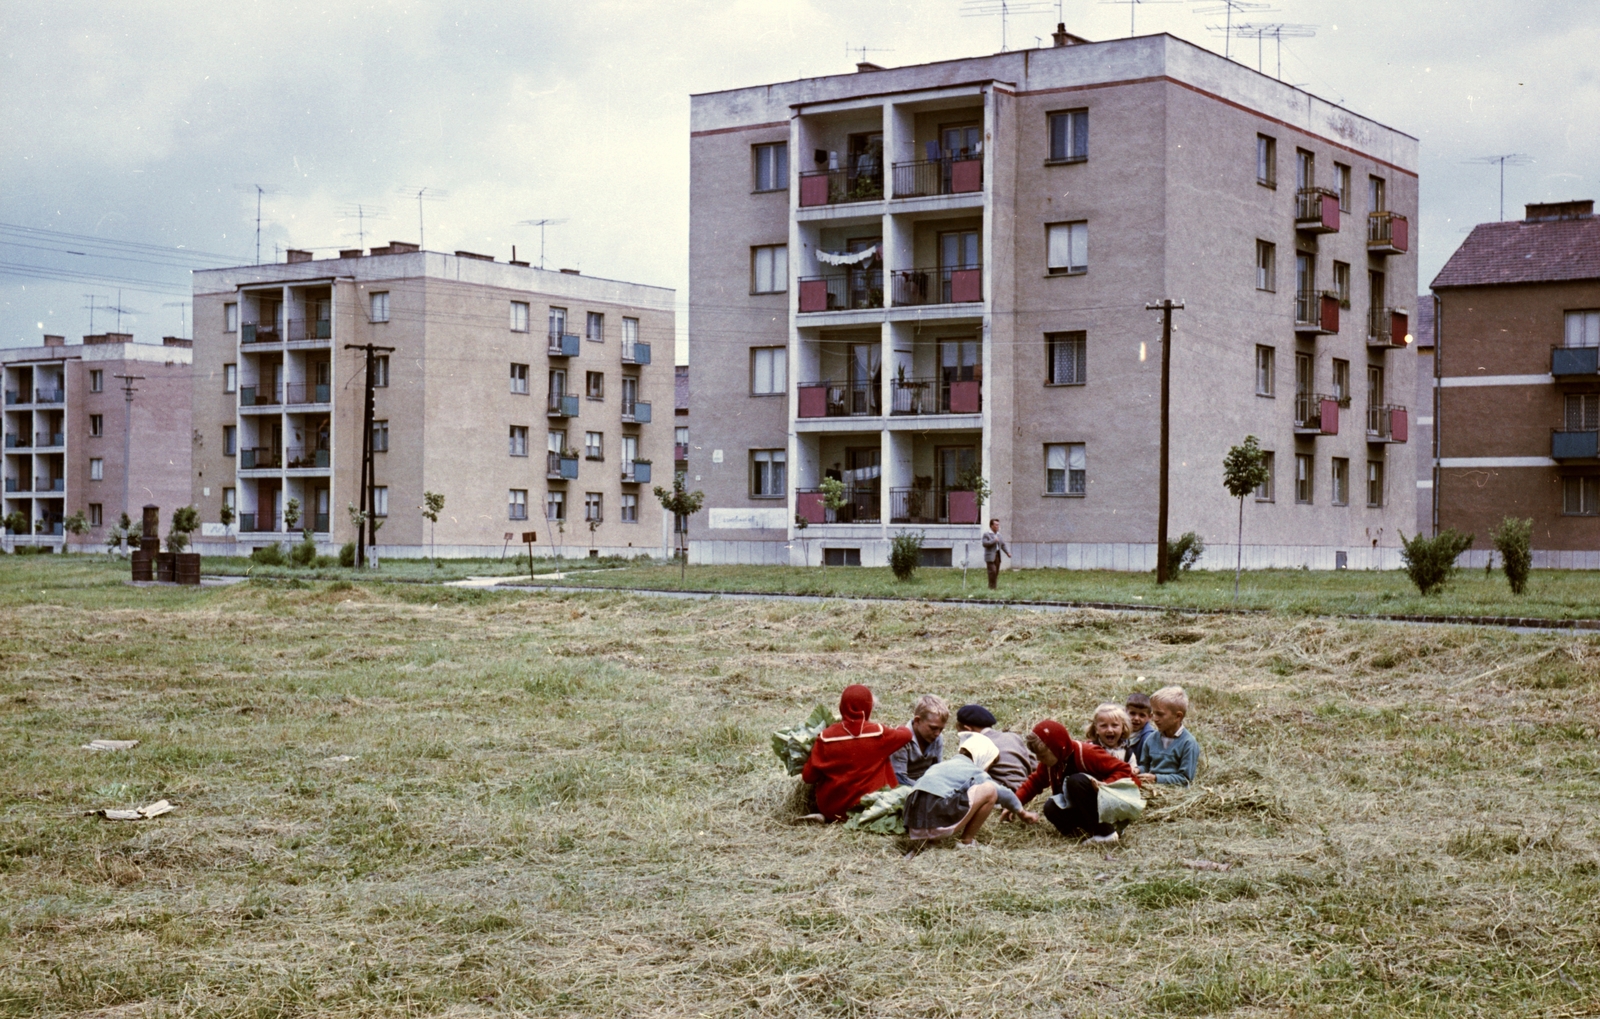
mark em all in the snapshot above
pixel 367 465
pixel 1166 307
pixel 127 438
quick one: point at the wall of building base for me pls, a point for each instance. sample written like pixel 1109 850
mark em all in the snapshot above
pixel 1543 559
pixel 1127 557
pixel 544 552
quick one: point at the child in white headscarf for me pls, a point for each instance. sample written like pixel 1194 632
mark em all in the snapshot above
pixel 955 797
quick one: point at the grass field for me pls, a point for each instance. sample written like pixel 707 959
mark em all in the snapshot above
pixel 564 804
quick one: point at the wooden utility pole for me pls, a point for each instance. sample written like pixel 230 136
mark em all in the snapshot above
pixel 1166 307
pixel 128 389
pixel 368 479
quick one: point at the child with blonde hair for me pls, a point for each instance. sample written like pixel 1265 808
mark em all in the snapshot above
pixel 1171 754
pixel 1112 729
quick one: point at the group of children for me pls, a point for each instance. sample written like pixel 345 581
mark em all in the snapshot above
pixel 1126 748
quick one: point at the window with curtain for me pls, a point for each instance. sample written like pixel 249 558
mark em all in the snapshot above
pixel 769 269
pixel 768 473
pixel 1069 136
pixel 771 163
pixel 1067 248
pixel 1583 328
pixel 1065 469
pixel 1069 358
pixel 769 371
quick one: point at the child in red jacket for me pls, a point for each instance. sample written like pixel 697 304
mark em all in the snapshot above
pixel 1071 770
pixel 851 757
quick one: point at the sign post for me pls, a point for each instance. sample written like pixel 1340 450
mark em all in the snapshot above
pixel 528 538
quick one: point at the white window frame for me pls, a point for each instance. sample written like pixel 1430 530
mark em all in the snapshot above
pixel 97 425
pixel 769 269
pixel 763 482
pixel 517 504
pixel 594 445
pixel 1266 161
pixel 769 166
pixel 1067 248
pixel 230 378
pixel 1305 467
pixel 555 505
pixel 519 316
pixel 230 318
pixel 594 327
pixel 1265 490
pixel 769 371
pixel 97 469
pixel 380 436
pixel 519 378
pixel 1266 370
pixel 1375 477
pixel 380 371
pixel 1266 266
pixel 517 440
pixel 628 508
pixel 1339 475
pixel 1066 469
pixel 378 306
pixel 380 500
pixel 1067 135
pixel 1580 496
pixel 97 380
pixel 594 507
pixel 1582 328
pixel 230 440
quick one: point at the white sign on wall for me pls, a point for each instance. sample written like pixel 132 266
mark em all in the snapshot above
pixel 748 519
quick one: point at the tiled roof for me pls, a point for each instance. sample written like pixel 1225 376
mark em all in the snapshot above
pixel 680 381
pixel 1523 252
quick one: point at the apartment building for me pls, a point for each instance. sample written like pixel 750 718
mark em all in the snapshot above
pixel 76 443
pixel 923 280
pixel 521 395
pixel 1423 434
pixel 1519 383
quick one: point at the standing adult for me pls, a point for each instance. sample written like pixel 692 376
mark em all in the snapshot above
pixel 993 545
pixel 851 757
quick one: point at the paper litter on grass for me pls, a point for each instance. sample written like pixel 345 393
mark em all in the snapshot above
pixel 110 744
pixel 144 813
pixel 340 758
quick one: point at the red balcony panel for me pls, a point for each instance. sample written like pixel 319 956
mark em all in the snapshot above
pixel 814 190
pixel 1330 303
pixel 813 295
pixel 1399 325
pixel 813 401
pixel 1399 234
pixel 966 397
pixel 966 176
pixel 963 507
pixel 808 506
pixel 1399 429
pixel 1330 213
pixel 966 285
pixel 1330 417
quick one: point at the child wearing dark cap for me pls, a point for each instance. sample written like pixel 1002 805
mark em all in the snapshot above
pixel 1015 763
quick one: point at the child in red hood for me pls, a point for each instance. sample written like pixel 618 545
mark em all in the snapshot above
pixel 1071 769
pixel 851 758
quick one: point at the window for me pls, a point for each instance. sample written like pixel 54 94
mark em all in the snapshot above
pixel 1069 358
pixel 1266 265
pixel 593 507
pixel 630 452
pixel 1341 481
pixel 230 378
pixel 769 269
pixel 97 381
pixel 230 498
pixel 1069 136
pixel 230 440
pixel 519 316
pixel 1341 283
pixel 518 504
pixel 380 436
pixel 519 440
pixel 1583 412
pixel 558 382
pixel 380 306
pixel 97 514
pixel 230 318
pixel 594 446
pixel 1067 248
pixel 1303 466
pixel 595 327
pixel 1341 381
pixel 1266 161
pixel 1065 471
pixel 1583 328
pixel 519 379
pixel 630 509
pixel 1305 169
pixel 680 436
pixel 1264 490
pixel 1266 370
pixel 1580 497
pixel 380 371
pixel 1374 395
pixel 1305 283
pixel 556 441
pixel 557 320
pixel 555 506
pixel 594 385
pixel 768 473
pixel 771 164
pixel 1375 196
pixel 380 500
pixel 1376 293
pixel 630 336
pixel 1374 482
pixel 769 371
pixel 97 469
pixel 1342 185
pixel 97 424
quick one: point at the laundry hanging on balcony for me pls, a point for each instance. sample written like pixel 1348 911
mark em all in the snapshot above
pixel 848 257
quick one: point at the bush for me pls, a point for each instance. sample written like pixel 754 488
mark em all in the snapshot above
pixel 905 554
pixel 1430 562
pixel 1184 553
pixel 325 561
pixel 268 555
pixel 1512 539
pixel 347 554
pixel 305 552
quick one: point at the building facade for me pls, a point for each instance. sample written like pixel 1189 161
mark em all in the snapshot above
pixel 521 395
pixel 1424 396
pixel 76 443
pixel 1519 383
pixel 921 281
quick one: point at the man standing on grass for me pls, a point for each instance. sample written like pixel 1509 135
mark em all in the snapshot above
pixel 993 545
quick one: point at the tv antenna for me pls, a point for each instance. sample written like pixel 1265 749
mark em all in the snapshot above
pixel 1006 9
pixel 1277 31
pixel 864 50
pixel 1133 6
pixel 121 311
pixel 93 298
pixel 1228 7
pixel 541 224
pixel 422 194
pixel 183 316
pixel 1509 159
pixel 362 213
pixel 258 190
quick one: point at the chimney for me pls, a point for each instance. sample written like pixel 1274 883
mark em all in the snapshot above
pixel 867 65
pixel 294 255
pixel 572 272
pixel 400 248
pixel 1065 38
pixel 1545 212
pixel 349 252
pixel 109 338
pixel 176 341
pixel 55 341
pixel 474 254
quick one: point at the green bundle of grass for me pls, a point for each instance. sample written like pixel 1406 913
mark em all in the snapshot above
pixel 793 745
pixel 882 812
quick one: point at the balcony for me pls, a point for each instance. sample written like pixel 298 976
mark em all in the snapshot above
pixel 1387 423
pixel 319 523
pixel 860 506
pixel 301 459
pixel 1316 211
pixel 635 412
pixel 636 353
pixel 932 506
pixel 824 399
pixel 1388 233
pixel 19 485
pixel 256 396
pixel 14 441
pixel 308 392
pixel 680 451
pixel 562 405
pixel 947 285
pixel 927 177
pixel 255 332
pixel 1387 327
pixel 853 290
pixel 636 472
pixel 49 396
pixel 1316 314
pixel 1573 362
pixel 260 458
pixel 49 440
pixel 564 344
pixel 935 396
pixel 1316 414
pixel 315 329
pixel 254 523
pixel 561 468
pixel 50 485
pixel 1574 445
pixel 14 397
pixel 839 187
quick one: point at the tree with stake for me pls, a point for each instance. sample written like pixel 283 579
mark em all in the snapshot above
pixel 432 506
pixel 1243 471
pixel 834 500
pixel 800 525
pixel 185 521
pixel 76 525
pixel 682 504
pixel 291 514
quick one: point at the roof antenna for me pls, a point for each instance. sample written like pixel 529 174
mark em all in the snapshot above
pixel 1004 8
pixel 259 189
pixel 1276 31
pixel 1510 158
pixel 422 194
pixel 362 213
pixel 864 50
pixel 1228 7
pixel 1133 6
pixel 541 224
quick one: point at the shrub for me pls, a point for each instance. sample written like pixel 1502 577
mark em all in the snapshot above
pixel 1512 539
pixel 1184 553
pixel 185 521
pixel 1430 562
pixel 905 554
pixel 325 561
pixel 347 554
pixel 304 553
pixel 268 555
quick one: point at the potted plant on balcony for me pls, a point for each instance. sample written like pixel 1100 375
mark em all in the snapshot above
pixel 641 472
pixel 967 495
pixel 569 462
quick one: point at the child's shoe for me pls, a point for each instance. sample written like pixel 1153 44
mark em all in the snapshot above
pixel 1102 840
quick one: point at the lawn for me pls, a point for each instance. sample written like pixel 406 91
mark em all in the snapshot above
pixel 402 799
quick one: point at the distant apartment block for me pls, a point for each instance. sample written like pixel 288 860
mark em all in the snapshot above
pixel 75 443
pixel 1519 383
pixel 524 396
pixel 909 279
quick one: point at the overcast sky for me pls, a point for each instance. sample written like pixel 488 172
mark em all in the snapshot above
pixel 140 129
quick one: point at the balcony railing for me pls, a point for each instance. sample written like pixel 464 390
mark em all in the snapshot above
pixel 860 506
pixel 1316 414
pixel 935 396
pixel 1566 362
pixel 851 290
pixel 558 467
pixel 932 506
pixel 944 285
pixel 319 523
pixel 314 329
pixel 50 485
pixel 257 523
pixel 824 399
pixel 255 332
pixel 301 459
pixel 563 405
pixel 636 472
pixel 564 344
pixel 48 440
pixel 19 484
pixel 14 441
pixel 1316 312
pixel 635 412
pixel 835 187
pixel 1583 445
pixel 938 177
pixel 14 397
pixel 1387 423
pixel 636 353
pixel 256 396
pixel 260 458
pixel 308 392
pixel 680 451
pixel 49 396
pixel 1388 233
pixel 1387 327
pixel 1316 211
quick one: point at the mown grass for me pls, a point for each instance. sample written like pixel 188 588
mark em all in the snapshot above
pixel 563 804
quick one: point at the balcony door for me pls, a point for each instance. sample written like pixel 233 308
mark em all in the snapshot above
pixel 958 249
pixel 319 499
pixel 960 361
pixel 866 373
pixel 558 382
pixel 866 163
pixel 961 141
pixel 1375 400
pixel 954 461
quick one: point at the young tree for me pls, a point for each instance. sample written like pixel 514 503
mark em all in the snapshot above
pixel 1514 539
pixel 227 516
pixel 185 521
pixel 800 525
pixel 291 514
pixel 834 500
pixel 1431 562
pixel 1243 471
pixel 432 506
pixel 681 503
pixel 77 525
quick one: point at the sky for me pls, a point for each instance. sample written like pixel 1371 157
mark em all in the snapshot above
pixel 133 136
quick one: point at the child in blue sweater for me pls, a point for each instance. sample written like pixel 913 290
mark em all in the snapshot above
pixel 1170 755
